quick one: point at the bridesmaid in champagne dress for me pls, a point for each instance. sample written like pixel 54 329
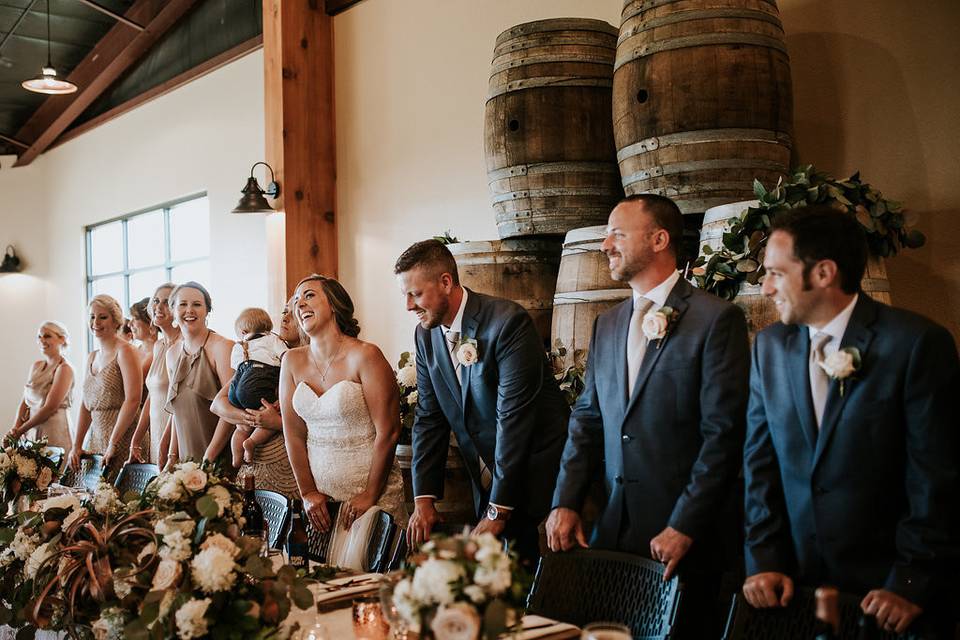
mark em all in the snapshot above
pixel 154 419
pixel 112 386
pixel 48 392
pixel 199 365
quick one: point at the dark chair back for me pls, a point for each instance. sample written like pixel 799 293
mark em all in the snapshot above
pixel 795 621
pixel 276 511
pixel 400 551
pixel 585 586
pixel 318 542
pixel 88 475
pixel 135 477
pixel 381 543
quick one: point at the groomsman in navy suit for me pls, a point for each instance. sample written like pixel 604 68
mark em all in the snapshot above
pixel 482 372
pixel 661 417
pixel 851 459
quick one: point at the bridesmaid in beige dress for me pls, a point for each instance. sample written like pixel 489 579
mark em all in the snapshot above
pixel 112 386
pixel 270 466
pixel 144 332
pixel 199 366
pixel 154 417
pixel 47 394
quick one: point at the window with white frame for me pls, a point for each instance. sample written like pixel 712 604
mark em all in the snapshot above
pixel 128 257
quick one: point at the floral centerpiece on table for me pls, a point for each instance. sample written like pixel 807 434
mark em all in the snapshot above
pixel 407 382
pixel 721 270
pixel 169 564
pixel 462 588
pixel 26 469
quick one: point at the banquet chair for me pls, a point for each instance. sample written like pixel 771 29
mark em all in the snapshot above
pixel 585 585
pixel 135 477
pixel 381 543
pixel 400 551
pixel 318 542
pixel 276 511
pixel 326 547
pixel 88 475
pixel 796 620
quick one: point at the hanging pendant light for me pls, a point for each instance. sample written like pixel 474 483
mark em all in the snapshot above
pixel 47 82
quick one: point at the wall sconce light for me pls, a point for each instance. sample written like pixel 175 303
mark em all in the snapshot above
pixel 253 200
pixel 11 263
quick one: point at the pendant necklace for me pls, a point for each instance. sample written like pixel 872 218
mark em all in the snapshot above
pixel 324 370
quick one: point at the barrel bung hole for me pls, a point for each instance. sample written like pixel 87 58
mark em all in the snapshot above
pixel 513 124
pixel 642 96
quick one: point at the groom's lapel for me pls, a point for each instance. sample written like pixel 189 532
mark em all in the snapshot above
pixel 468 329
pixel 677 300
pixel 858 335
pixel 442 355
pixel 798 372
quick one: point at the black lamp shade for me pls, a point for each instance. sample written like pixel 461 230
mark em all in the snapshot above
pixel 252 200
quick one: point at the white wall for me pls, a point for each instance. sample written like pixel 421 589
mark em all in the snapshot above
pixel 201 137
pixel 411 84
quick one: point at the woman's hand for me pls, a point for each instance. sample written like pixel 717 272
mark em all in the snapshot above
pixel 171 463
pixel 136 455
pixel 73 458
pixel 315 506
pixel 109 454
pixel 268 416
pixel 357 506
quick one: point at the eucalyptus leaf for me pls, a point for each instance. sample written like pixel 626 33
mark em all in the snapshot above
pixel 207 507
pixel 301 597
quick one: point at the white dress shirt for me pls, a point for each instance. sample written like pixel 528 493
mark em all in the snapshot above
pixel 658 295
pixel 835 328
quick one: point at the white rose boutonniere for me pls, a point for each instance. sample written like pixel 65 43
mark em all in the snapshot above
pixel 467 354
pixel 841 365
pixel 657 324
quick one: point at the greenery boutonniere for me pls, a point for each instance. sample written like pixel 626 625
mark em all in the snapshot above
pixel 466 352
pixel 657 324
pixel 842 365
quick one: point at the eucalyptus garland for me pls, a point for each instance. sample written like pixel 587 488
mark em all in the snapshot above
pixel 722 270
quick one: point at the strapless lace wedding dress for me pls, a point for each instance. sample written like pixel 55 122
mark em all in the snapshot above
pixel 340 436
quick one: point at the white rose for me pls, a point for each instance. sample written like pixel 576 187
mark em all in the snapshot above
pixel 26 467
pixel 167 576
pixel 221 541
pixel 44 479
pixel 838 365
pixel 407 605
pixel 194 480
pixel 213 570
pixel 467 354
pixel 412 397
pixel 191 620
pixel 189 465
pixel 105 499
pixel 407 376
pixel 475 593
pixel 433 579
pixel 177 522
pixel 175 547
pixel 169 489
pixel 495 580
pixel 458 621
pixel 23 544
pixel 655 326
pixel 222 497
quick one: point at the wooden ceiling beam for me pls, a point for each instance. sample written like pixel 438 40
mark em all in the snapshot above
pixel 14 141
pixel 333 7
pixel 113 14
pixel 116 52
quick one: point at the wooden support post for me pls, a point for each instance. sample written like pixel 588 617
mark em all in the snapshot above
pixel 300 146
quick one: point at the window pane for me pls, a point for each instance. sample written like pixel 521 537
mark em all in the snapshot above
pixel 106 248
pixel 197 271
pixel 190 230
pixel 112 286
pixel 145 243
pixel 144 283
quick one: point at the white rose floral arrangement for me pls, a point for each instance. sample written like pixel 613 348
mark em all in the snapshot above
pixel 26 469
pixel 170 564
pixel 461 588
pixel 407 382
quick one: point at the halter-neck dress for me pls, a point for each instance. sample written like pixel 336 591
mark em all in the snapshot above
pixel 57 427
pixel 157 382
pixel 194 384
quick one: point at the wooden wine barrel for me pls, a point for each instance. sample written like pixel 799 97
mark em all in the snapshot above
pixel 759 309
pixel 522 269
pixel 702 99
pixel 584 289
pixel 547 131
pixel 456 507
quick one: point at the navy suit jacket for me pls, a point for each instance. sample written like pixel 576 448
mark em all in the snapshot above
pixel 670 453
pixel 507 409
pixel 871 500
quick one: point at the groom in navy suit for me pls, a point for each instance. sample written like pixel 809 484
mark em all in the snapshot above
pixel 851 459
pixel 481 371
pixel 661 417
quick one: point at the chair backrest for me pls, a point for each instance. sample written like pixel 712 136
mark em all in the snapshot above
pixel 381 543
pixel 135 477
pixel 88 475
pixel 400 551
pixel 318 542
pixel 276 511
pixel 796 620
pixel 587 586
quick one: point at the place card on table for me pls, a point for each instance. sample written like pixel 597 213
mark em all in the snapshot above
pixel 346 588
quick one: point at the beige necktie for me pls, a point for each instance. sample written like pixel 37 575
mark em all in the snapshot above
pixel 819 380
pixel 452 338
pixel 636 343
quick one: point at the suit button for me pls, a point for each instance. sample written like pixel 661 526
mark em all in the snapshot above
pixel 618 479
pixel 626 438
pixel 820 491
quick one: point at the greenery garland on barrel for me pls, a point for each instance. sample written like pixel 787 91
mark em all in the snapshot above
pixel 722 270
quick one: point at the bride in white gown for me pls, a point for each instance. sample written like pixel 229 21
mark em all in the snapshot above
pixel 341 412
